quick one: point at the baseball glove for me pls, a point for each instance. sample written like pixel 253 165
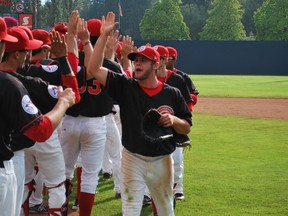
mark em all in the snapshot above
pixel 152 132
pixel 182 140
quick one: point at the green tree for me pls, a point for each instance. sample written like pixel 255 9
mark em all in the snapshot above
pixel 224 22
pixel 250 6
pixel 271 20
pixel 195 16
pixel 164 21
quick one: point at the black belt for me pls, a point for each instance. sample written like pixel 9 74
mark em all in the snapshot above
pixel 1 164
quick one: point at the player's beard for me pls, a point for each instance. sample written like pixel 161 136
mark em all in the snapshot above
pixel 145 74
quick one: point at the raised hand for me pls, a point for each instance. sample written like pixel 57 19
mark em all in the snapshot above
pixel 108 24
pixel 73 23
pixel 83 32
pixel 58 44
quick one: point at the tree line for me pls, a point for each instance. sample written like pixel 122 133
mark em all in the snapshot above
pixel 177 19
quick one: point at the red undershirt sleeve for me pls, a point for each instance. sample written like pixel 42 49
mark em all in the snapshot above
pixel 40 132
pixel 73 61
pixel 71 82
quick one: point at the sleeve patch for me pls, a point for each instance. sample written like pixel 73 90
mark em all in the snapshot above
pixel 50 68
pixel 53 91
pixel 28 105
pixel 79 68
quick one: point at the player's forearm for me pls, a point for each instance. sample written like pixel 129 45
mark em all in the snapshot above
pixel 181 126
pixel 57 113
pixel 96 60
pixel 88 50
pixel 72 46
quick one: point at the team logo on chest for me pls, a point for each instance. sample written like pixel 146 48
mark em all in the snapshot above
pixel 50 68
pixel 53 91
pixel 165 109
pixel 28 105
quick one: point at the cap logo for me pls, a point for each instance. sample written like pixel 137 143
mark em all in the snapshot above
pixel 53 91
pixel 141 49
pixel 50 68
pixel 28 105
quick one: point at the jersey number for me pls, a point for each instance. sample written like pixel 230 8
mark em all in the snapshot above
pixel 95 89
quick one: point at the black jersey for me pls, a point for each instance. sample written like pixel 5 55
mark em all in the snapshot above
pixel 134 103
pixel 178 82
pixel 18 113
pixel 95 102
pixel 43 95
pixel 189 82
pixel 46 69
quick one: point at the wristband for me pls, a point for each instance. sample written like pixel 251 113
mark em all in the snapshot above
pixel 64 65
pixel 87 42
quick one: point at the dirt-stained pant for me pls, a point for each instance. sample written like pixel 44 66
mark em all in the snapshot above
pixel 155 172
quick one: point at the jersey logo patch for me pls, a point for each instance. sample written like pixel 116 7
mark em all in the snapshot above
pixel 53 91
pixel 28 105
pixel 50 68
pixel 165 109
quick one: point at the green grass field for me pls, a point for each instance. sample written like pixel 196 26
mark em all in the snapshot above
pixel 236 166
pixel 242 86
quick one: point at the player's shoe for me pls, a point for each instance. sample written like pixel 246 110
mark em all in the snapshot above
pixel 147 200
pixel 75 205
pixel 118 195
pixel 38 209
pixel 179 196
pixel 106 176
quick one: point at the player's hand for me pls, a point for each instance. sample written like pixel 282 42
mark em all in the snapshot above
pixel 58 44
pixel 127 45
pixel 83 33
pixel 108 24
pixel 166 120
pixel 112 42
pixel 67 96
pixel 73 23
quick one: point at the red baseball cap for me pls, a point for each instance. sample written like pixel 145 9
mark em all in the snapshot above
pixel 10 21
pixel 147 51
pixel 42 35
pixel 61 27
pixel 24 42
pixel 163 51
pixel 172 52
pixel 94 26
pixel 3 32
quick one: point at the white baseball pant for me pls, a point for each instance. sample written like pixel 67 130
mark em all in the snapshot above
pixel 156 173
pixel 8 191
pixel 50 160
pixel 113 149
pixel 85 136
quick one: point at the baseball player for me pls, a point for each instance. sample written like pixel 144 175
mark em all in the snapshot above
pixel 84 127
pixel 178 82
pixel 173 55
pixel 143 162
pixel 26 117
pixel 49 156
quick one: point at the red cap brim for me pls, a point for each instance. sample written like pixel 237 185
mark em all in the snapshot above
pixel 10 38
pixel 34 44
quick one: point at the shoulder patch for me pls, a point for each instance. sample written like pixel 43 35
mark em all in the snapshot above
pixel 53 91
pixel 79 68
pixel 50 68
pixel 28 105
